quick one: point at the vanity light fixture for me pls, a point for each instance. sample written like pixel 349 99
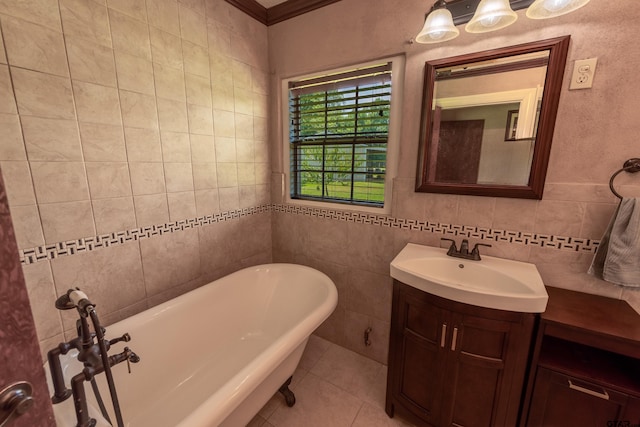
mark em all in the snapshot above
pixel 486 15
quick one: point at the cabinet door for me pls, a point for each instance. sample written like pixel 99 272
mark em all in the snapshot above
pixel 419 331
pixel 561 400
pixel 631 415
pixel 478 372
pixel 455 364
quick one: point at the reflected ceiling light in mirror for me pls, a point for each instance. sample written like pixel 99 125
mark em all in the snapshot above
pixel 438 27
pixel 543 9
pixel 491 15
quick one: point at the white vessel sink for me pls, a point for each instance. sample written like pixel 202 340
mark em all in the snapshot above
pixel 492 282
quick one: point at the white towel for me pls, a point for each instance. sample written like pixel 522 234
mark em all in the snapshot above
pixel 617 259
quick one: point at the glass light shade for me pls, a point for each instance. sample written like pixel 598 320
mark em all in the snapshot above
pixel 491 15
pixel 543 9
pixel 438 27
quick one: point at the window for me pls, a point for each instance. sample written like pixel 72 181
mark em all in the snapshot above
pixel 339 141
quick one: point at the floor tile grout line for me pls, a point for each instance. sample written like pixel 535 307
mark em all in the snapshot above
pixel 361 411
pixel 380 371
pixel 359 399
pixel 355 418
pixel 349 392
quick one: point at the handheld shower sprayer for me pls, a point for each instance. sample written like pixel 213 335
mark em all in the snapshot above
pixel 75 298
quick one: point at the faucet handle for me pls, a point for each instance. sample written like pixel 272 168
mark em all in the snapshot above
pixel 126 338
pixel 131 358
pixel 476 252
pixel 452 247
pixel 475 247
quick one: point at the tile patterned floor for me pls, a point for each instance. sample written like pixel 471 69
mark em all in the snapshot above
pixel 334 387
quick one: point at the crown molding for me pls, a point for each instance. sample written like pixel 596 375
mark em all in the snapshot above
pixel 251 8
pixel 280 12
pixel 292 8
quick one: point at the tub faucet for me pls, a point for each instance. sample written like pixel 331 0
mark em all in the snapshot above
pixel 93 350
pixel 463 252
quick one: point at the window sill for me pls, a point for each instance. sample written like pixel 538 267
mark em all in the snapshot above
pixel 386 210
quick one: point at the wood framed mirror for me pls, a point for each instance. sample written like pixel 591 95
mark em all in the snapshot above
pixel 488 119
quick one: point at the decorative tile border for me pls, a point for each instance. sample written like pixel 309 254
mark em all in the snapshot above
pixel 71 247
pixel 518 237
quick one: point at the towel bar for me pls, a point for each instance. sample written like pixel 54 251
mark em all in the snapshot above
pixel 631 166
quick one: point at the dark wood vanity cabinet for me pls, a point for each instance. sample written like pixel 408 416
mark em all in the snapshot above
pixel 586 363
pixel 455 364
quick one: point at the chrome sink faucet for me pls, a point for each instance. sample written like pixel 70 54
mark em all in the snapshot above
pixel 463 252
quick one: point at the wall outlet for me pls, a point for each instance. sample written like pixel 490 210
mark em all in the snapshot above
pixel 583 72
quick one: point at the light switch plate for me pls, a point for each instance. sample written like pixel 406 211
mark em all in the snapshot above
pixel 583 72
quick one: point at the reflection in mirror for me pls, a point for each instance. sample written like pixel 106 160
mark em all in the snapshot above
pixel 490 120
pixel 484 124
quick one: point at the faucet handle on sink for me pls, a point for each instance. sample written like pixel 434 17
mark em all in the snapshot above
pixel 452 247
pixel 475 252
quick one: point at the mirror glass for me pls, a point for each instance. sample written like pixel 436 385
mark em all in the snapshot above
pixel 488 120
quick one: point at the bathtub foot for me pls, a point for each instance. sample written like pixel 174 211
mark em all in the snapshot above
pixel 289 397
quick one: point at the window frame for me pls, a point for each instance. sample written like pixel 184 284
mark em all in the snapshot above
pixel 393 141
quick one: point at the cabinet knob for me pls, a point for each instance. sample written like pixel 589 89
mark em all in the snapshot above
pixel 443 336
pixel 454 339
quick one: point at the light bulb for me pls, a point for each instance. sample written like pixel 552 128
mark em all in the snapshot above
pixel 490 21
pixel 555 5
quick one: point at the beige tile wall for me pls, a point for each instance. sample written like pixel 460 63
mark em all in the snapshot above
pixel 596 132
pixel 118 114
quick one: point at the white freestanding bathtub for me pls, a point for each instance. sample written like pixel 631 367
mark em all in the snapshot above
pixel 213 356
